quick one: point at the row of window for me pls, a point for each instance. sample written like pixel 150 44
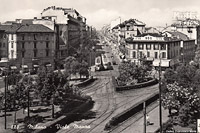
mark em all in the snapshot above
pixel 142 55
pixel 35 44
pixel 2 36
pixel 148 46
pixel 35 37
pixel 35 53
pixel 2 45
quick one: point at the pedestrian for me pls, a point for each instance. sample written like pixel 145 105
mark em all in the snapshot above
pixel 147 120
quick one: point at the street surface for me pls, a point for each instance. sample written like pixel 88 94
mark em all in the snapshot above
pixel 108 102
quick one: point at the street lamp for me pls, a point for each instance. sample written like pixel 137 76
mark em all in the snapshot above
pixel 160 100
pixel 6 85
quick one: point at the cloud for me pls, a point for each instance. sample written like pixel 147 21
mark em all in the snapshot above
pixel 101 17
pixel 25 14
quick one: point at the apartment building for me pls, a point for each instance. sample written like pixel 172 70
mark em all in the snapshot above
pixel 3 44
pixel 70 27
pixel 28 45
pixel 155 48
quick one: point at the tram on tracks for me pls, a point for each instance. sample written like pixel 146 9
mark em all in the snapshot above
pixel 98 63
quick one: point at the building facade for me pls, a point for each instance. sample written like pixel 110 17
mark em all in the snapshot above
pixel 3 44
pixel 70 28
pixel 155 49
pixel 29 45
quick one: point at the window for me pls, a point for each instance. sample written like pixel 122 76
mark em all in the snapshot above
pixel 11 36
pixel 163 55
pixel 23 45
pixel 47 53
pixel 47 44
pixel 163 46
pixel 148 46
pixel 148 54
pixel 141 54
pixel 0 44
pixel 23 54
pixel 22 36
pixel 156 55
pixel 35 45
pixel 35 53
pixel 34 36
pixel 156 47
pixel 134 54
pixel 47 37
pixel 60 33
pixel 140 46
pixel 134 46
pixel 12 45
pixel 12 53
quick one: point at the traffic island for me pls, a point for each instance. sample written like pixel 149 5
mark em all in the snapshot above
pixel 135 86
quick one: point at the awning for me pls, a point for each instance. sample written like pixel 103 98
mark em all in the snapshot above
pixel 13 67
pixel 164 63
pixel 24 66
pixel 48 65
pixel 35 65
pixel 4 60
pixel 149 59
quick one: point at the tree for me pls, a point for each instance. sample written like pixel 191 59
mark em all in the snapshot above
pixel 83 69
pixel 129 72
pixel 184 100
pixel 68 67
pixel 197 57
pixel 170 76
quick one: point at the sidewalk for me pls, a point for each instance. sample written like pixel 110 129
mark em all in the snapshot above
pixel 138 127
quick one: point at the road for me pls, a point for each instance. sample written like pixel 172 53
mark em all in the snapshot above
pixel 108 102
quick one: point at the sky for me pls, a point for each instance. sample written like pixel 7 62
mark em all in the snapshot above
pixel 100 12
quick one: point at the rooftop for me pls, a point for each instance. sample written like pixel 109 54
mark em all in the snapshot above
pixel 130 22
pixel 10 28
pixel 34 28
pixel 150 34
pixel 178 35
pixel 25 28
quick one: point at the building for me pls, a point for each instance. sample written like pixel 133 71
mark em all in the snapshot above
pixel 35 46
pixel 198 36
pixel 126 29
pixel 3 44
pixel 28 45
pixel 70 27
pixel 154 49
pixel 187 23
pixel 9 45
pixel 188 46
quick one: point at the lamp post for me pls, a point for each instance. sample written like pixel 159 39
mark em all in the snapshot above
pixel 144 110
pixel 6 85
pixel 160 100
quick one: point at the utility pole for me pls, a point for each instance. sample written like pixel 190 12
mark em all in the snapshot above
pixel 28 104
pixel 160 100
pixel 28 97
pixel 5 99
pixel 144 109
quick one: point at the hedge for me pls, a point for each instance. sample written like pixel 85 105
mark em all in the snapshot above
pixel 129 87
pixel 86 82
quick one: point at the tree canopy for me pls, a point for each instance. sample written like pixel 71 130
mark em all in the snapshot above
pixel 130 73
